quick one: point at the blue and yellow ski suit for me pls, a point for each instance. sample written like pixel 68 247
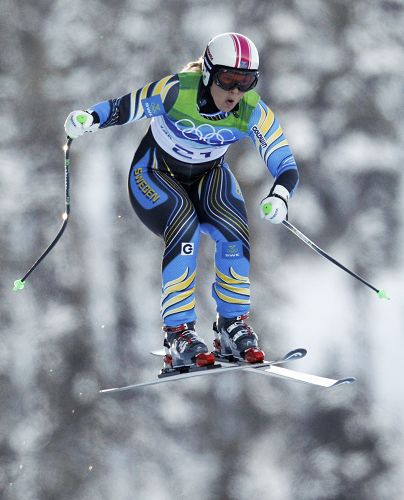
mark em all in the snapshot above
pixel 180 185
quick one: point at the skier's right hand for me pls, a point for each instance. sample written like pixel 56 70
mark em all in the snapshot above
pixel 78 122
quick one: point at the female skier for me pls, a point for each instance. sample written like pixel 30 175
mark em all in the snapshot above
pixel 180 186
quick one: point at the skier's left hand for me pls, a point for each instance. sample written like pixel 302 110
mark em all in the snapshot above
pixel 275 206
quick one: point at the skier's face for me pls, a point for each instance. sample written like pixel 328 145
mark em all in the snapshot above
pixel 225 100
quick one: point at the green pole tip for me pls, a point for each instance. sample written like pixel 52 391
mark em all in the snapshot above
pixel 382 294
pixel 18 285
pixel 266 208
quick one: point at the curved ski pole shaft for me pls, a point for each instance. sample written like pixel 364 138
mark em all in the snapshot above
pixel 381 293
pixel 19 284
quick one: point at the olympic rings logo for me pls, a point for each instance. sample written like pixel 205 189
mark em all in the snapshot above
pixel 205 133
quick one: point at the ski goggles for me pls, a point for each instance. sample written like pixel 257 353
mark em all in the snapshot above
pixel 229 79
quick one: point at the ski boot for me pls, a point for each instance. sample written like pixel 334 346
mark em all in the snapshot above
pixel 184 348
pixel 234 338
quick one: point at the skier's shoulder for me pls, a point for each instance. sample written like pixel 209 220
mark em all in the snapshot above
pixel 261 114
pixel 157 97
pixel 174 88
pixel 163 85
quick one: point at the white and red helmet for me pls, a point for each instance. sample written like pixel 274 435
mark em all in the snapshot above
pixel 231 50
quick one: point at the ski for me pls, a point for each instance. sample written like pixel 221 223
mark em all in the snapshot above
pixel 217 368
pixel 228 363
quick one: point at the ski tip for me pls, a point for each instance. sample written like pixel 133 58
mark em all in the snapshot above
pixel 296 354
pixel 342 381
pixel 382 294
pixel 18 285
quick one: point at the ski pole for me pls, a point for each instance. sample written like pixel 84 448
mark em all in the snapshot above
pixel 20 283
pixel 381 293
